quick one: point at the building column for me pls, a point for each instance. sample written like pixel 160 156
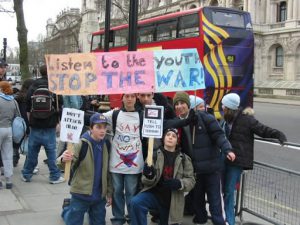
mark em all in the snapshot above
pixel 268 12
pixel 245 5
pixel 273 13
pixel 289 9
pixel 251 9
pixel 295 9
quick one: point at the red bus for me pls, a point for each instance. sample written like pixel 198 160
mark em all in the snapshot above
pixel 224 40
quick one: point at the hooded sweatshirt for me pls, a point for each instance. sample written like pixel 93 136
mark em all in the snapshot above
pixel 8 110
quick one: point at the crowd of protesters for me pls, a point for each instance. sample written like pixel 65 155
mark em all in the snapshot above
pixel 197 155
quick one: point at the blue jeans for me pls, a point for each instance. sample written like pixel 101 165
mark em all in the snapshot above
pixel 119 181
pixel 140 205
pixel 232 177
pixel 74 213
pixel 210 184
pixel 41 137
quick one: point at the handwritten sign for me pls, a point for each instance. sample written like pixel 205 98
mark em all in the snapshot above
pixel 72 74
pixel 125 72
pixel 153 121
pixel 71 125
pixel 178 70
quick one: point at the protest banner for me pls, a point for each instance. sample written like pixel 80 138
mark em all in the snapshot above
pixel 72 122
pixel 152 127
pixel 125 72
pixel 72 74
pixel 178 70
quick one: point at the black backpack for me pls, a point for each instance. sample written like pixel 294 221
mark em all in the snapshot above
pixel 82 154
pixel 42 103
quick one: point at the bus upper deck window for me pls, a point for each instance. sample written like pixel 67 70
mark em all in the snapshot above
pixel 146 33
pixel 120 38
pixel 189 26
pixel 228 19
pixel 97 42
pixel 166 30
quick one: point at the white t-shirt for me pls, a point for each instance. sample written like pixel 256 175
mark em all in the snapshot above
pixel 126 154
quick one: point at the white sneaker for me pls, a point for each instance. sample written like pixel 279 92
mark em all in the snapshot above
pixel 36 170
pixel 59 180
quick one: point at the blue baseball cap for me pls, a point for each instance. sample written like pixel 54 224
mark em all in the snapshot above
pixel 3 63
pixel 98 118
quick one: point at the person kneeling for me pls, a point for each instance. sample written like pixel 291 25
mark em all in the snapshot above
pixel 164 184
pixel 91 187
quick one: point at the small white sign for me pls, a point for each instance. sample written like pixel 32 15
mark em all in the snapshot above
pixel 153 121
pixel 71 125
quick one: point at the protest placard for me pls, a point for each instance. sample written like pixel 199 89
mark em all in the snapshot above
pixel 72 74
pixel 178 70
pixel 72 122
pixel 153 121
pixel 125 72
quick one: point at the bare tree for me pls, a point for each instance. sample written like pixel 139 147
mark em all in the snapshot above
pixel 22 38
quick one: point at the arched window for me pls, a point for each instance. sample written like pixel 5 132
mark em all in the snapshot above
pixel 193 6
pixel 279 56
pixel 214 3
pixel 282 12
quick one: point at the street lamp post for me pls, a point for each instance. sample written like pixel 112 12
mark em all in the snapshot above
pixel 107 25
pixel 132 31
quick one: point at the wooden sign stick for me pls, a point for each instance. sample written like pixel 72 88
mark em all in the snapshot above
pixel 150 151
pixel 194 128
pixel 68 163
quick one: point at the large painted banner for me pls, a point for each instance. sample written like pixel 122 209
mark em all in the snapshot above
pixel 125 72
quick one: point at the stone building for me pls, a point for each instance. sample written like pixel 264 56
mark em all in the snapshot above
pixel 276 26
pixel 63 34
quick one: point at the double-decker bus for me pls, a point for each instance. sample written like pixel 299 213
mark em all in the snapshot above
pixel 224 40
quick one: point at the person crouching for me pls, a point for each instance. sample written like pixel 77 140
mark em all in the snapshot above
pixel 164 184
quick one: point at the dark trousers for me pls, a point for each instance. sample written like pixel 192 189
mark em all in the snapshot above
pixel 209 184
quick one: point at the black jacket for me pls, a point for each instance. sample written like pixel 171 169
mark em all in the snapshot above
pixel 209 142
pixel 241 137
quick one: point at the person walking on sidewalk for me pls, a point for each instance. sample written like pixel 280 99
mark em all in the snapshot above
pixel 91 187
pixel 43 119
pixel 8 111
pixel 164 184
pixel 240 127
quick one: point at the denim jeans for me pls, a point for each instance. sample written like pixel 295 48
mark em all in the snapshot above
pixel 74 213
pixel 140 205
pixel 119 181
pixel 210 184
pixel 41 137
pixel 232 177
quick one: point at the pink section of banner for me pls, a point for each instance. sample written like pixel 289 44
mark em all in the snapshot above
pixel 125 72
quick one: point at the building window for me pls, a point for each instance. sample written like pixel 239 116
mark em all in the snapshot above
pixel 282 12
pixel 279 57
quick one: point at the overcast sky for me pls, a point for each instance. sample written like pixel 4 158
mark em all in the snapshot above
pixel 36 13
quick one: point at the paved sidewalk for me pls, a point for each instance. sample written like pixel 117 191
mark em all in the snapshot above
pixel 39 203
pixel 277 101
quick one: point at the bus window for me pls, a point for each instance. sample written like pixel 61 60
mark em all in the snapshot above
pixel 166 30
pixel 227 19
pixel 98 42
pixel 121 37
pixel 146 33
pixel 189 26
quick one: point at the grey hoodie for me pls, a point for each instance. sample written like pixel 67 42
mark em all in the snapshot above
pixel 8 110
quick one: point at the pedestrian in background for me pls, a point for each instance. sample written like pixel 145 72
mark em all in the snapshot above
pixel 91 187
pixel 240 127
pixel 8 111
pixel 165 182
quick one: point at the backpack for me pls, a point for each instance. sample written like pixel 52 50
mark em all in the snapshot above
pixel 82 154
pixel 42 103
pixel 18 128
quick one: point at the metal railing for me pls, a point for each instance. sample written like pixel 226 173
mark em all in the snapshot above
pixel 271 193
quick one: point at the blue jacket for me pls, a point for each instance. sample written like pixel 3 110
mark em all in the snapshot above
pixel 209 142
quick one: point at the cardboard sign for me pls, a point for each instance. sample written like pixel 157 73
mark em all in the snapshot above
pixel 72 74
pixel 125 72
pixel 178 70
pixel 153 121
pixel 72 122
